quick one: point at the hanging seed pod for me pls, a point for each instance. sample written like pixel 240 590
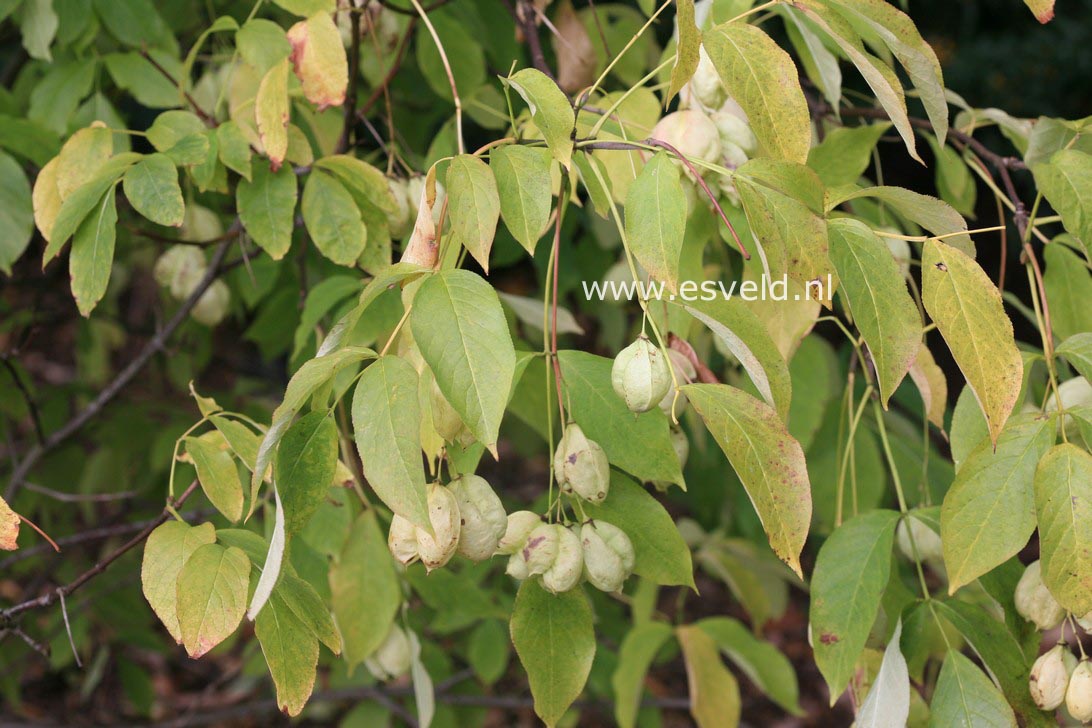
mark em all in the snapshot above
pixel 392 658
pixel 213 304
pixel 705 87
pixel 925 538
pixel 565 570
pixel 180 269
pixel 581 466
pixel 518 527
pixel 691 132
pixel 483 520
pixel 1078 696
pixel 402 540
pixel 1050 677
pixel 436 549
pixel 608 555
pixel 1034 601
pixel 537 553
pixel 445 419
pixel 640 375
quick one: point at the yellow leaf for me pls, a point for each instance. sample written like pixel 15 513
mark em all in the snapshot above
pixel 714 692
pixel 319 60
pixel 9 527
pixel 271 111
pixel 46 198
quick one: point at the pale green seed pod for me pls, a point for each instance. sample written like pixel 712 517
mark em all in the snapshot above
pixel 436 549
pixel 925 538
pixel 1078 696
pixel 213 304
pixel 640 375
pixel 483 520
pixel 1034 601
pixel 608 555
pixel 445 419
pixel 537 553
pixel 199 223
pixel 568 565
pixel 1086 622
pixel 705 87
pixel 393 656
pixel 180 269
pixel 581 466
pixel 1050 677
pixel 691 132
pixel 399 221
pixel 518 527
pixel 402 540
pixel 681 443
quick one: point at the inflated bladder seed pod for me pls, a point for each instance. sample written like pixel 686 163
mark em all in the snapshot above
pixel 537 552
pixel 399 221
pixel 1086 622
pixel 681 443
pixel 402 540
pixel 692 133
pixel 213 304
pixel 445 419
pixel 608 555
pixel 1034 601
pixel 1078 696
pixel 640 375
pixel 734 131
pixel 925 538
pixel 437 548
pixel 483 520
pixel 581 466
pixel 565 570
pixel 392 658
pixel 705 87
pixel 180 269
pixel 518 527
pixel 1050 677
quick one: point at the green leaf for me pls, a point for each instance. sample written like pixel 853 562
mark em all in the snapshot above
pixel 850 577
pixel 1068 286
pixel 262 44
pixel 1066 183
pixel 968 427
pixel 136 74
pixel 304 602
pixel 967 309
pixel 656 219
pixel 876 292
pixel 550 110
pixel 332 219
pixel 661 554
pixel 634 657
pixel 151 185
pixel 459 325
pixel 966 698
pixel 80 203
pixel 166 551
pixel 364 589
pixel 714 692
pixel 233 148
pixel 212 588
pixel 956 184
pixel 762 78
pixel 760 661
pixel 989 512
pixel 38 25
pixel 54 99
pixel 218 476
pixel 291 652
pixel 768 461
pixel 473 206
pixel 887 704
pixel 641 444
pixel 1077 350
pixel 555 640
pixel 171 127
pixel 931 384
pixel 364 181
pixel 488 651
pixel 845 153
pixel 1063 503
pixel 523 184
pixel 819 63
pixel 267 206
pixel 387 426
pixel 747 338
pixel 93 254
pixel 936 216
pixel 16 213
pixel 304 468
pixel 241 439
pixel 688 48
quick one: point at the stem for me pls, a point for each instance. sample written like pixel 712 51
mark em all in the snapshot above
pixel 447 69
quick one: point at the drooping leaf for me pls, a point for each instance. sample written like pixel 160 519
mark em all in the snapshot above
pixel 304 467
pixel 768 461
pixel 291 652
pixel 988 514
pixel 459 325
pixel 850 576
pixel 387 425
pixel 9 527
pixel 318 58
pixel 166 551
pixel 882 308
pixel 92 254
pixel 759 660
pixel 489 651
pixel 818 62
pixel 661 555
pixel 1077 350
pixel 218 476
pixel 762 78
pixel 955 183
pixel 304 602
pixel 1063 503
pixel 656 219
pixel 714 692
pixel 212 589
pixel 77 206
pixel 550 110
pixel 688 49
pixel 473 206
pixel 1043 9
pixel 151 185
pixel 1068 284
pixel 936 216
pixel 271 111
pixel 365 182
pixel 845 153
pixel 332 219
pixel 967 309
pixel 267 207
pixel 523 184
pixel 555 640
pixel 966 698
pixel 233 148
pixel 364 589
pixel 634 657
pixel 1065 181
pixel 887 704
pixel 931 383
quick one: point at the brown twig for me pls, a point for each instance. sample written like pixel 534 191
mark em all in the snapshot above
pixel 396 64
pixel 119 382
pixel 32 407
pixel 7 615
pixel 354 71
pixel 206 117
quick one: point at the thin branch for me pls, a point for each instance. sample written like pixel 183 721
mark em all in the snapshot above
pixel 52 597
pixel 119 383
pixel 396 64
pixel 206 117
pixel 354 71
pixel 25 392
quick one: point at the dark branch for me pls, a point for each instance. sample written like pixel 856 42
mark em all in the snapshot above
pixel 25 392
pixel 206 117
